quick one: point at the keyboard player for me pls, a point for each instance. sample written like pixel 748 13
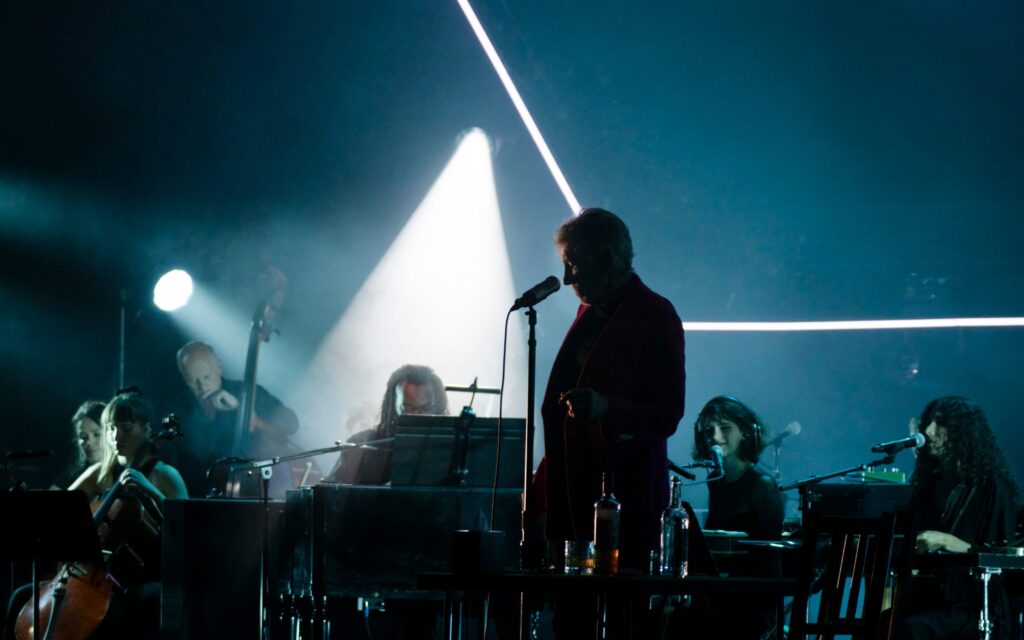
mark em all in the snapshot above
pixel 411 390
pixel 965 498
pixel 746 499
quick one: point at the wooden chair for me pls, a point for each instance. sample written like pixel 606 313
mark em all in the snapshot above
pixel 840 554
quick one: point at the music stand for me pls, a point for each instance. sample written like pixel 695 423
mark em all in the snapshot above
pixel 437 451
pixel 53 526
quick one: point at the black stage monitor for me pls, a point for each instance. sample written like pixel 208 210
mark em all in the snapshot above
pixel 427 452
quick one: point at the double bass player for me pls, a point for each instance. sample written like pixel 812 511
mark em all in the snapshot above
pixel 210 411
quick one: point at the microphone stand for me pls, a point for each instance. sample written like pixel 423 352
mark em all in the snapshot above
pixel 266 470
pixel 802 485
pixel 526 553
pixel 700 464
pixel 776 470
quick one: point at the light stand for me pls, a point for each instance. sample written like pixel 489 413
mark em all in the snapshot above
pixel 122 346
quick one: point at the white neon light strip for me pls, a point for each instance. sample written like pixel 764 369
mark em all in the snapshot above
pixel 574 205
pixel 856 325
pixel 517 100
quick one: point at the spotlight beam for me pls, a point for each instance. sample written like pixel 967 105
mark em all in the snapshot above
pixel 421 305
pixel 520 105
pixel 857 325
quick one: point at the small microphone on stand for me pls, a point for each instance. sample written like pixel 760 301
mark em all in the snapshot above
pixel 537 293
pixel 716 458
pixel 913 442
pixel 791 429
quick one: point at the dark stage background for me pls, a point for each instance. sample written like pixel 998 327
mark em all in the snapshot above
pixel 774 160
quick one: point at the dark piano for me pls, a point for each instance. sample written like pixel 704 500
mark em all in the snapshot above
pixel 344 542
pixel 352 541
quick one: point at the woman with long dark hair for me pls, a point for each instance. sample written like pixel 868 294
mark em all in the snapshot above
pixel 965 498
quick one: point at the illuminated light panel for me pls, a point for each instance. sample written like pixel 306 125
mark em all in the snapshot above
pixel 173 290
pixel 437 297
pixel 520 105
pixel 856 325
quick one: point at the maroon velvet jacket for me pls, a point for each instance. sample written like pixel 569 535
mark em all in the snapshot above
pixel 637 363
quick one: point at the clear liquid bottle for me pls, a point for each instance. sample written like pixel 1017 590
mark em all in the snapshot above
pixel 675 535
pixel 607 515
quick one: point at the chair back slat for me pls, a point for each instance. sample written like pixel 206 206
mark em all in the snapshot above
pixel 859 553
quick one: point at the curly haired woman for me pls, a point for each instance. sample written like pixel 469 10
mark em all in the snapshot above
pixel 965 498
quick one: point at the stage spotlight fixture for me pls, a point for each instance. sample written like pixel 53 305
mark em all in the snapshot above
pixel 173 290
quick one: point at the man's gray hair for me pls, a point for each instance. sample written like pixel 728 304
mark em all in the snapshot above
pixel 595 229
pixel 193 348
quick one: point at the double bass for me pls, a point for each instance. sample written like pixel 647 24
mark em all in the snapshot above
pixel 242 483
pixel 73 605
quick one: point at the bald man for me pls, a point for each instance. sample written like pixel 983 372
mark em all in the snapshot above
pixel 211 415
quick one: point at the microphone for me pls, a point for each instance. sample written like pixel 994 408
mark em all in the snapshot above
pixel 28 454
pixel 912 442
pixel 792 429
pixel 675 468
pixel 537 293
pixel 716 458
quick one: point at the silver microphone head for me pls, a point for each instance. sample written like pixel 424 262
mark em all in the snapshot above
pixel 716 456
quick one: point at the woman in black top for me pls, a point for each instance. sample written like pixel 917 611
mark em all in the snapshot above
pixel 965 499
pixel 746 499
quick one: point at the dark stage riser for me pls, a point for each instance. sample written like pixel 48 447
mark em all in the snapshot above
pixel 349 541
pixel 329 544
pixel 211 567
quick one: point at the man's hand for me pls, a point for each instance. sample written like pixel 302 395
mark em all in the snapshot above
pixel 222 400
pixel 584 404
pixel 941 541
pixel 259 425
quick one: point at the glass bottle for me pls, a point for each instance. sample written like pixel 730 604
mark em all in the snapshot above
pixel 675 535
pixel 607 514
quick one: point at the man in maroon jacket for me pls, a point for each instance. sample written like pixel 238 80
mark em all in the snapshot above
pixel 615 393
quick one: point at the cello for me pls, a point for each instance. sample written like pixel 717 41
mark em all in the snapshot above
pixel 73 605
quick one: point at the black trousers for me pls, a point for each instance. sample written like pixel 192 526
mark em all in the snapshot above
pixel 949 606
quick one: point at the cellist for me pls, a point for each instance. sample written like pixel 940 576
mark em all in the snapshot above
pixel 127 421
